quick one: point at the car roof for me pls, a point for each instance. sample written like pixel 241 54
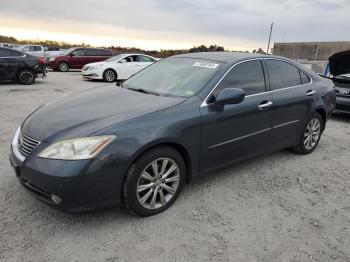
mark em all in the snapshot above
pixel 224 57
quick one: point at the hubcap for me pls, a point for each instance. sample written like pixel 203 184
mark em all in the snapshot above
pixel 312 133
pixel 63 67
pixel 26 77
pixel 109 76
pixel 158 183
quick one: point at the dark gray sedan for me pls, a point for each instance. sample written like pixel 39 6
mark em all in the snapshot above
pixel 183 117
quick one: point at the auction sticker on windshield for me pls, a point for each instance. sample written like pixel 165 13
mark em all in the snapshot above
pixel 206 65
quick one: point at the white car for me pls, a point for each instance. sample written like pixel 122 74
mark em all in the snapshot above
pixel 35 50
pixel 119 67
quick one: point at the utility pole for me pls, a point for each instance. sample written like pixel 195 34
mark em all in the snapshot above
pixel 268 45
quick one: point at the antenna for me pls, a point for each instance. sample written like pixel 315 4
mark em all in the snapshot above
pixel 268 45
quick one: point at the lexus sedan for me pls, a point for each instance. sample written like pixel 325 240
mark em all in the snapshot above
pixel 21 67
pixel 180 118
pixel 119 67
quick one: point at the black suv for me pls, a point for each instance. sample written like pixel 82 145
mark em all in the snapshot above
pixel 15 65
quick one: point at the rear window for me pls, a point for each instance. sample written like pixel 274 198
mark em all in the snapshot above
pixel 282 74
pixel 5 52
pixel 37 48
pixel 105 52
pixel 92 52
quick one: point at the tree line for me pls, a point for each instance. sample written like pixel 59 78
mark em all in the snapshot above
pixel 118 49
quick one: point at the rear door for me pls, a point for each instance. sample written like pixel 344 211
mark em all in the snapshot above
pixel 92 55
pixel 293 94
pixel 234 132
pixel 10 62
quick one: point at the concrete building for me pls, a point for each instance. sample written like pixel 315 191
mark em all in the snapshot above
pixel 310 51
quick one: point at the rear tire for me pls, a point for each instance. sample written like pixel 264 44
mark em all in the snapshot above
pixel 26 77
pixel 63 66
pixel 311 135
pixel 109 75
pixel 154 181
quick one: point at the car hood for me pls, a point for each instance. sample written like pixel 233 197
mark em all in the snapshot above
pixel 339 63
pixel 85 113
pixel 100 63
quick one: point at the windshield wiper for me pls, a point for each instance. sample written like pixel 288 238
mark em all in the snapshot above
pixel 141 90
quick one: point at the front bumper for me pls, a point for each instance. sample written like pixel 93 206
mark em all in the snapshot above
pixel 91 75
pixel 71 186
pixel 343 104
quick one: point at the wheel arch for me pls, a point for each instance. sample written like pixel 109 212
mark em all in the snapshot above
pixel 323 114
pixel 109 68
pixel 172 144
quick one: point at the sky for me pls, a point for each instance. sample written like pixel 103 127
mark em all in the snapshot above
pixel 176 24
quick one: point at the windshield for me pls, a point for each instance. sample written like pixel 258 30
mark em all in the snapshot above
pixel 114 58
pixel 182 77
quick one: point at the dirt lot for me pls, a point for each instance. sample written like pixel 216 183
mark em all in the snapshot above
pixel 282 207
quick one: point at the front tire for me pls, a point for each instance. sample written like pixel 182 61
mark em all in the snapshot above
pixel 154 181
pixel 63 67
pixel 26 77
pixel 109 75
pixel 311 134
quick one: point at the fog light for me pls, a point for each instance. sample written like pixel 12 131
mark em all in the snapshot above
pixel 56 199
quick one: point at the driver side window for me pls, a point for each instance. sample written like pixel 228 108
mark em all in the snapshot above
pixel 79 52
pixel 248 76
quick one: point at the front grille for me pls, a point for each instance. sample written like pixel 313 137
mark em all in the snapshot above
pixel 26 144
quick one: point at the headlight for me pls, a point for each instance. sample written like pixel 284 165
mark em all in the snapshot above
pixel 96 66
pixel 51 59
pixel 77 149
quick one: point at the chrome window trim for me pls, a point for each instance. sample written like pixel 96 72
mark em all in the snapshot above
pixel 204 103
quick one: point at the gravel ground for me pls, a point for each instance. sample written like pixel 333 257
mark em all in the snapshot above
pixel 281 207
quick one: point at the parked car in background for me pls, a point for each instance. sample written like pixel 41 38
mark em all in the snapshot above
pixel 180 118
pixel 76 58
pixel 118 67
pixel 34 50
pixel 15 65
pixel 339 68
pixel 5 45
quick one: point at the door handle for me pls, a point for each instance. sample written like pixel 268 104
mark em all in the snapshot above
pixel 265 105
pixel 310 92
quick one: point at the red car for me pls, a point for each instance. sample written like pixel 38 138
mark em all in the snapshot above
pixel 76 58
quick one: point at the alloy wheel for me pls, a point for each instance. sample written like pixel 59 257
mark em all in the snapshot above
pixel 312 133
pixel 26 77
pixel 158 183
pixel 63 67
pixel 110 76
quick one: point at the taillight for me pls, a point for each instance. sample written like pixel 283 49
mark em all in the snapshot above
pixel 42 61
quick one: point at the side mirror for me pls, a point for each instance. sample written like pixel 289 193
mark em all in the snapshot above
pixel 230 96
pixel 71 54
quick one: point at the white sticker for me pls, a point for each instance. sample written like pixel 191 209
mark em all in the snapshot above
pixel 206 65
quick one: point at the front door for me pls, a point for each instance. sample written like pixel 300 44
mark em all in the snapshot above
pixel 233 132
pixel 77 59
